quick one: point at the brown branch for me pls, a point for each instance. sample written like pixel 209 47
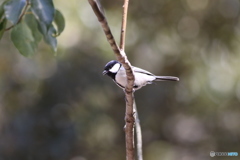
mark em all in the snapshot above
pixel 124 24
pixel 122 58
pixel 122 47
pixel 20 17
pixel 129 131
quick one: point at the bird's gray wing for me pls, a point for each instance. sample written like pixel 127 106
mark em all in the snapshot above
pixel 157 78
pixel 139 70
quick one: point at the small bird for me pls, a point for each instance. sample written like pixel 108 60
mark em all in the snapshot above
pixel 116 71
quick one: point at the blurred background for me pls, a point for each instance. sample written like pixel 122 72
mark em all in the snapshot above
pixel 62 108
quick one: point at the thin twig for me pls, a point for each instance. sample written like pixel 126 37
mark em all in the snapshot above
pixel 20 17
pixel 122 58
pixel 124 24
pixel 138 133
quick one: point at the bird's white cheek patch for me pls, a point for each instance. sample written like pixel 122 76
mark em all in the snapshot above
pixel 115 68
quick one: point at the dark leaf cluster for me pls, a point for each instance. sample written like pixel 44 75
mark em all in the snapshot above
pixel 29 22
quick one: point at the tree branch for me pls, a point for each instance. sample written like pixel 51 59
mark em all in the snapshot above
pixel 122 47
pixel 122 58
pixel 124 24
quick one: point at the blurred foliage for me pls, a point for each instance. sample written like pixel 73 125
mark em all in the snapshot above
pixel 63 108
pixel 31 20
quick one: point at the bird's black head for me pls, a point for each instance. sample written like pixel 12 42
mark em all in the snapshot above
pixel 111 68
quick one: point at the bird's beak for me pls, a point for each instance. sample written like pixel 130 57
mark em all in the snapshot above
pixel 104 72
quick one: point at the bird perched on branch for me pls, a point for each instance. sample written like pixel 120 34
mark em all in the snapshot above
pixel 116 71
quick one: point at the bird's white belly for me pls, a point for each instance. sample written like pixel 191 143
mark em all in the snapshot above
pixel 140 79
pixel 121 77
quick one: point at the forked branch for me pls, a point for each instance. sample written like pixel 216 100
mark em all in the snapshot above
pixel 121 57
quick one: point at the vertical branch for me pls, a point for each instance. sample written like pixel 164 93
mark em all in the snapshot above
pixel 137 120
pixel 138 133
pixel 124 25
pixel 129 129
pixel 129 119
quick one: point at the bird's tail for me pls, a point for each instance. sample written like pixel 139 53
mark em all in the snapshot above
pixel 166 78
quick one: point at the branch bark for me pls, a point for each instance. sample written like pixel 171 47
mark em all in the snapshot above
pixel 124 24
pixel 122 58
pixel 137 120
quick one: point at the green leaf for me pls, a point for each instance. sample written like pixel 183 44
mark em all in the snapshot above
pixel 13 9
pixel 48 35
pixel 59 21
pixel 43 11
pixel 2 27
pixel 23 39
pixel 33 25
pixel 1 10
